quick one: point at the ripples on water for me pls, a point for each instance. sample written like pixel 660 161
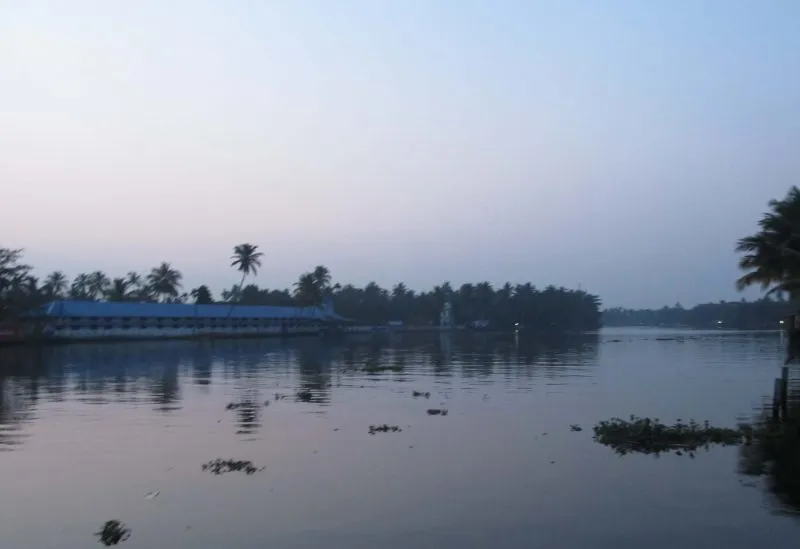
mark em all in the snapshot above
pixel 86 431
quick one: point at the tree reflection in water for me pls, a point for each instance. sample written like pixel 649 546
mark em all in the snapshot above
pixel 157 373
pixel 775 455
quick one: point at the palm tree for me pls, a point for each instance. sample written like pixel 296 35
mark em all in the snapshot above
pixel 322 278
pixel 55 285
pixel 247 260
pixel 772 255
pixel 164 281
pixel 119 290
pixel 79 289
pixel 306 291
pixel 202 295
pixel 98 284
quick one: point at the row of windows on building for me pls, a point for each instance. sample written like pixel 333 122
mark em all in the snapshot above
pixel 109 323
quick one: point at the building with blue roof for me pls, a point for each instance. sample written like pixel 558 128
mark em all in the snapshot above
pixel 81 320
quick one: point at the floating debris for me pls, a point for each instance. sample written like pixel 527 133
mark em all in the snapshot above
pixel 437 411
pixel 417 394
pixel 650 436
pixel 576 428
pixel 384 429
pixel 266 403
pixel 113 532
pixel 221 466
pixel 378 369
pixel 280 396
pixel 304 395
pixel 152 495
pixel 237 405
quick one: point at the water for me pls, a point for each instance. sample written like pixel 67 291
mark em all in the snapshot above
pixel 86 431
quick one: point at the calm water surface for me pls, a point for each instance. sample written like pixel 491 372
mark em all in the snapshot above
pixel 87 430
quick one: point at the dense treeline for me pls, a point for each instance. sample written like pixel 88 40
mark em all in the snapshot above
pixel 557 309
pixel 764 314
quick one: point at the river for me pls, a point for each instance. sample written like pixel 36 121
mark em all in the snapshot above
pixel 87 431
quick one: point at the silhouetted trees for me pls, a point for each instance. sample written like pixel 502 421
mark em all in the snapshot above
pixel 509 306
pixel 763 314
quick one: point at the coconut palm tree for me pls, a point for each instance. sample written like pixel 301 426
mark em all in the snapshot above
pixel 202 295
pixel 55 285
pixel 119 290
pixel 306 291
pixel 322 278
pixel 98 284
pixel 79 289
pixel 772 255
pixel 247 259
pixel 164 281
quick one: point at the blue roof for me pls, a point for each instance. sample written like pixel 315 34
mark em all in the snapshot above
pixel 179 310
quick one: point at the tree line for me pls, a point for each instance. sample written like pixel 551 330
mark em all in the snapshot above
pixel 762 314
pixel 551 308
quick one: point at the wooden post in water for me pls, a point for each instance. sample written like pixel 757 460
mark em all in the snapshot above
pixel 785 392
pixel 776 399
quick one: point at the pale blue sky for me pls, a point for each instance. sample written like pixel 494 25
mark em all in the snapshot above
pixel 622 145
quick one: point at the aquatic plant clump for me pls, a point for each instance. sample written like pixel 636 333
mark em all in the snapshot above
pixel 417 394
pixel 384 429
pixel 113 532
pixel 221 466
pixel 437 412
pixel 650 436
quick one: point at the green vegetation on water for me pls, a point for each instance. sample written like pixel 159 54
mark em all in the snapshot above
pixel 113 532
pixel 650 436
pixel 222 466
pixel 384 429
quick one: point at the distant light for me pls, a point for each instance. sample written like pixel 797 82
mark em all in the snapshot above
pixel 781 322
pixel 719 322
pixel 516 324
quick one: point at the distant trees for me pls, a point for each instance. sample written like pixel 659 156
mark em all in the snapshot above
pixel 551 308
pixel 763 314
pixel 16 283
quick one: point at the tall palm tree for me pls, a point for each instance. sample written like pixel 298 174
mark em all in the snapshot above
pixel 98 284
pixel 79 289
pixel 772 255
pixel 306 291
pixel 202 295
pixel 322 278
pixel 247 259
pixel 119 290
pixel 164 281
pixel 55 285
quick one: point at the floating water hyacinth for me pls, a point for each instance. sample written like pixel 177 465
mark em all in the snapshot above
pixel 384 429
pixel 222 466
pixel 113 532
pixel 437 412
pixel 650 436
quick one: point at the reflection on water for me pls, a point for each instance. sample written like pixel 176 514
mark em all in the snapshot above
pixel 775 453
pixel 503 468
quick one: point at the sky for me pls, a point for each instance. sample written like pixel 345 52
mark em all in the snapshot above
pixel 619 146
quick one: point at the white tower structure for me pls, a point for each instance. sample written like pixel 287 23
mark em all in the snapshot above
pixel 446 316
